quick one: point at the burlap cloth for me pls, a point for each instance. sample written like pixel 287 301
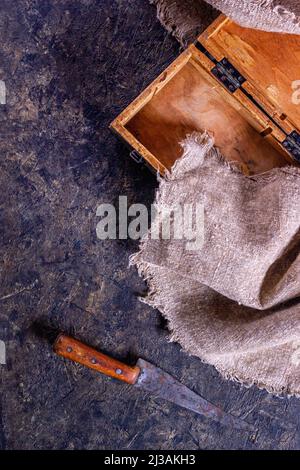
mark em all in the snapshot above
pixel 234 302
pixel 187 18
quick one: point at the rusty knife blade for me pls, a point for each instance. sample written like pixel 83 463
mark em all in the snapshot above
pixel 164 386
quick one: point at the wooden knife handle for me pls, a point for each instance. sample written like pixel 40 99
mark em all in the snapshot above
pixel 78 352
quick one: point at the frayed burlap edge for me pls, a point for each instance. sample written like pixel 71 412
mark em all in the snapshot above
pixel 198 147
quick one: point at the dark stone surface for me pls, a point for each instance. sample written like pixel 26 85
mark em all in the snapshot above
pixel 70 68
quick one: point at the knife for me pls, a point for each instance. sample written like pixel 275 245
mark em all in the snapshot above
pixel 148 377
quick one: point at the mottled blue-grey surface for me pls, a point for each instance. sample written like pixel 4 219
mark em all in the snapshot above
pixel 70 67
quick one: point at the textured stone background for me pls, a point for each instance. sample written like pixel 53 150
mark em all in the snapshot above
pixel 70 67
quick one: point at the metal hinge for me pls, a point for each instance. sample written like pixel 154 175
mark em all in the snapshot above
pixel 228 75
pixel 292 145
pixel 224 71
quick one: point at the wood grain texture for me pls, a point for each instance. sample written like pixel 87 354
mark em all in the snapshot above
pixel 269 62
pixel 190 102
pixel 76 351
pixel 122 123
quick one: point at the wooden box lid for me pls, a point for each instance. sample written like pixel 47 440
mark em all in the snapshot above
pixel 269 62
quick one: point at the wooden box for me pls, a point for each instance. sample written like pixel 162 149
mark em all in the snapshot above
pixel 238 84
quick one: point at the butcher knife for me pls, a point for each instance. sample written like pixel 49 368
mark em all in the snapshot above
pixel 147 377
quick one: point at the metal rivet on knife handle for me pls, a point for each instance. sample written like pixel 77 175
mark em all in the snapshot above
pixel 76 351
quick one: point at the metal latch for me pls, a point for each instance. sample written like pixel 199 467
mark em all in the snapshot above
pixel 292 145
pixel 136 156
pixel 228 75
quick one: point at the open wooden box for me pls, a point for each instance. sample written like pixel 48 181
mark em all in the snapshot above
pixel 234 82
